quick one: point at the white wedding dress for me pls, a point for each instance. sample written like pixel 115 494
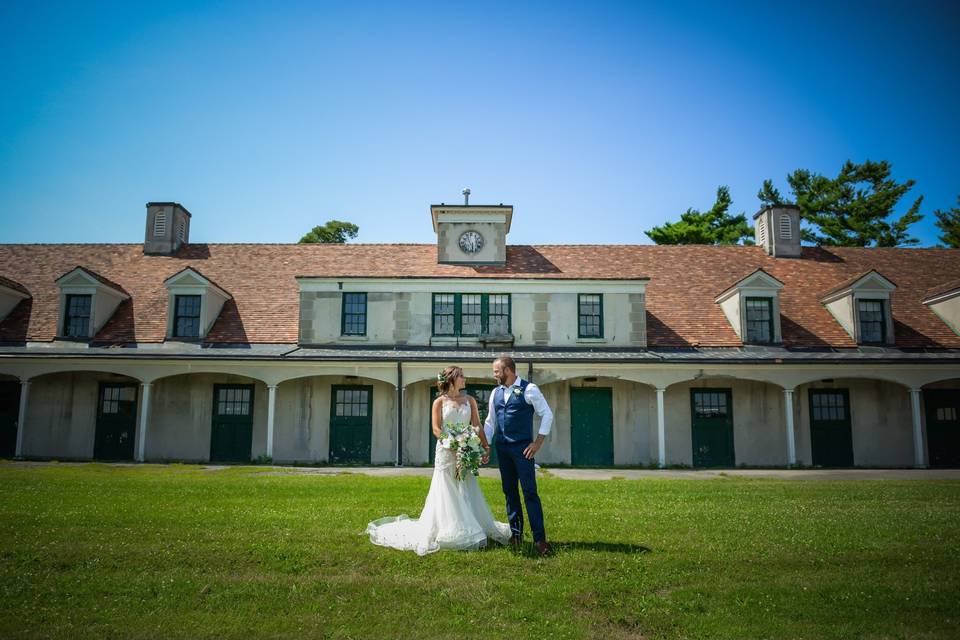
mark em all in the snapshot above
pixel 455 514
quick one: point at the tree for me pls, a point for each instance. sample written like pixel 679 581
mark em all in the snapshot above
pixel 334 232
pixel 851 210
pixel 949 223
pixel 715 226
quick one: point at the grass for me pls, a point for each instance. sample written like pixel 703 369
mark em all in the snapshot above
pixel 100 551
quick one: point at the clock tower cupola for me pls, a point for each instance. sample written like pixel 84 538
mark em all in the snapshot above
pixel 471 234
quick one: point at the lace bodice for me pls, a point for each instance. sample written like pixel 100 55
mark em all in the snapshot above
pixel 456 412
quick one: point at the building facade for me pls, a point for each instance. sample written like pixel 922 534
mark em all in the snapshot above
pixel 704 356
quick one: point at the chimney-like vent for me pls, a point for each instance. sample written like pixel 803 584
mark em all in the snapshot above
pixel 168 228
pixel 466 196
pixel 777 230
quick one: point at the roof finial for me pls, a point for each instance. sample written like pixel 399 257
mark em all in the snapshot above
pixel 466 196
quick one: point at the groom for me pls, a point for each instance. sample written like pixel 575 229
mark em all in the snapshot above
pixel 511 415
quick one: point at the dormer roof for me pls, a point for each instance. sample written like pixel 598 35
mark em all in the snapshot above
pixel 942 292
pixel 871 279
pixel 756 278
pixel 190 276
pixel 78 274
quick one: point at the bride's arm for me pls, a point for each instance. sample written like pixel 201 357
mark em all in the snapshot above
pixel 475 421
pixel 436 422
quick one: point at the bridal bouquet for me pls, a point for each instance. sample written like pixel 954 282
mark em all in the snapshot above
pixel 462 439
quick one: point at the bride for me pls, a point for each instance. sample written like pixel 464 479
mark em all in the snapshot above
pixel 455 514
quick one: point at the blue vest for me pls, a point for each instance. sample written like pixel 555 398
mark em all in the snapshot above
pixel 515 417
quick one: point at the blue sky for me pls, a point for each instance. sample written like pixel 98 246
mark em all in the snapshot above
pixel 595 120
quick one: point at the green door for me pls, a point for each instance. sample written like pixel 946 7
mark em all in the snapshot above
pixel 481 392
pixel 9 414
pixel 351 424
pixel 232 436
pixel 943 427
pixel 116 422
pixel 591 427
pixel 831 438
pixel 712 427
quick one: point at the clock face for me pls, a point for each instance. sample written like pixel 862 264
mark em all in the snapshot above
pixel 471 242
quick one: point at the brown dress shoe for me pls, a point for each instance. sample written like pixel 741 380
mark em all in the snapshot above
pixel 544 548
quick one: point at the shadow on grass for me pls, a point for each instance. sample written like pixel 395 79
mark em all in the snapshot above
pixel 559 548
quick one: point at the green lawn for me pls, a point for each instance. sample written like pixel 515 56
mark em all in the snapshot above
pixel 98 551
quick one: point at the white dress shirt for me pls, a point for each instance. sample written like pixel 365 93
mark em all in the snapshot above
pixel 533 396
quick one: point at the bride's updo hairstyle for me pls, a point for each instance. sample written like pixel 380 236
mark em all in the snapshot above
pixel 446 378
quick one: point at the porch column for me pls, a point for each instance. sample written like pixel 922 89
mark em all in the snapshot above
pixel 791 440
pixel 271 412
pixel 399 461
pixel 22 415
pixel 661 431
pixel 917 433
pixel 144 413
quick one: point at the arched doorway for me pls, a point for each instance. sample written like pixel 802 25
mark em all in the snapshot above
pixel 942 407
pixel 9 415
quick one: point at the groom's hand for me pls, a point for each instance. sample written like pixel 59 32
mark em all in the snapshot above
pixel 532 448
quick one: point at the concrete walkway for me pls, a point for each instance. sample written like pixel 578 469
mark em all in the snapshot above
pixel 577 474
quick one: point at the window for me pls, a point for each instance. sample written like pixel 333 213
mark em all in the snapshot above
pixel 352 402
pixel 160 223
pixel 76 322
pixel 233 401
pixel 354 320
pixel 873 327
pixel 828 405
pixel 709 404
pixel 785 228
pixel 186 318
pixel 471 314
pixel 118 399
pixel 590 324
pixel 759 320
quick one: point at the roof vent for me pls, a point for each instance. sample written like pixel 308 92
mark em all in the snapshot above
pixel 168 228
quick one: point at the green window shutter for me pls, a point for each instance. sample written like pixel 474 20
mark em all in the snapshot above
pixel 590 315
pixel 353 314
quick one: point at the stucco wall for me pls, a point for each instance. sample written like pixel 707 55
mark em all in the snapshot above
pixel 541 318
pixel 759 434
pixel 302 421
pixel 880 421
pixel 61 415
pixel 181 417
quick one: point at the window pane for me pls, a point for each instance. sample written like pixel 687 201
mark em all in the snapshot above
pixel 498 314
pixel 871 320
pixel 759 320
pixel 590 306
pixel 355 313
pixel 443 308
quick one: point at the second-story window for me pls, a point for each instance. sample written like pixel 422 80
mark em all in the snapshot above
pixel 186 317
pixel 354 320
pixel 471 314
pixel 759 320
pixel 76 321
pixel 590 324
pixel 872 323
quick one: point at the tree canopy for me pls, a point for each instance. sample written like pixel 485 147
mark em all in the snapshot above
pixel 714 226
pixel 949 224
pixel 852 210
pixel 333 232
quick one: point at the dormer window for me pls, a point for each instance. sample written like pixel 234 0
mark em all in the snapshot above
pixel 76 319
pixel 759 321
pixel 186 316
pixel 11 294
pixel 87 301
pixel 945 302
pixel 862 307
pixel 195 304
pixel 752 306
pixel 872 323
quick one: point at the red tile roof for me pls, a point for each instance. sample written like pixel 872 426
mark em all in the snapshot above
pixel 940 290
pixel 680 293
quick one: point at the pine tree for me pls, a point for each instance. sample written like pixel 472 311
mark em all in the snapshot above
pixel 949 223
pixel 716 226
pixel 853 209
